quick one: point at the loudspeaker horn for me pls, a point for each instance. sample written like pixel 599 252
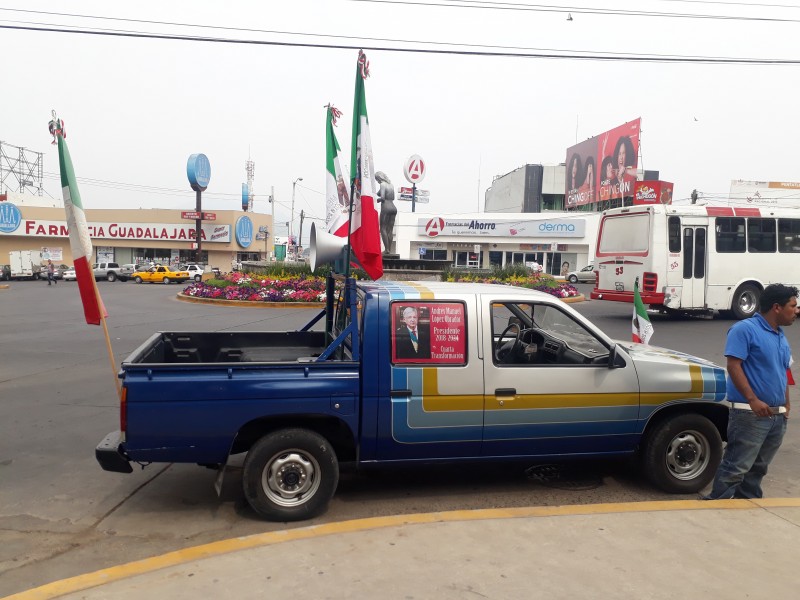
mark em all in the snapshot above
pixel 325 247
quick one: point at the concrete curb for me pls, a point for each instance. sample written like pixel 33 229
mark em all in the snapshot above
pixel 212 550
pixel 249 304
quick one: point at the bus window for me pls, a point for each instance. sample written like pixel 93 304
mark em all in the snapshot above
pixel 688 252
pixel 730 234
pixel 674 234
pixel 760 235
pixel 700 253
pixel 625 234
pixel 789 235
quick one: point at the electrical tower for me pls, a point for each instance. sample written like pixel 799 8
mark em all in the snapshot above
pixel 20 170
pixel 250 168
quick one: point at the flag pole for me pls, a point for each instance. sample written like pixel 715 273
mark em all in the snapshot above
pixel 108 340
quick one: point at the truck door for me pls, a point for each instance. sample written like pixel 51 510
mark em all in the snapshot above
pixel 435 372
pixel 694 266
pixel 548 388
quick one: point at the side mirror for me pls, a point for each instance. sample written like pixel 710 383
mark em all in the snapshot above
pixel 613 361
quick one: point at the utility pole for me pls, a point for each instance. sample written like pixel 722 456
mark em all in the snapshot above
pixel 272 217
pixel 291 223
pixel 300 237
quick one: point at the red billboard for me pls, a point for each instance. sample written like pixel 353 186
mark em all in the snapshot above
pixel 604 167
pixel 653 192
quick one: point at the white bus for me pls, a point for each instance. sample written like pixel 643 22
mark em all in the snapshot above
pixel 696 258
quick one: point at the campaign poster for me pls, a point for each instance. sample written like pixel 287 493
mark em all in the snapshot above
pixel 618 154
pixel 581 179
pixel 429 333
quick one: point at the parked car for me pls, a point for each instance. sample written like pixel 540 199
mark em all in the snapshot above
pixel 160 275
pixel 585 275
pixel 69 274
pixel 195 271
pixel 126 272
pixel 5 272
pixel 106 270
pixel 58 273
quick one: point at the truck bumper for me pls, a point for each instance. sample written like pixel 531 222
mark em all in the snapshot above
pixel 110 456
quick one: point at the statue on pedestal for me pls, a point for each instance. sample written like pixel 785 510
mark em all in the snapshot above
pixel 388 210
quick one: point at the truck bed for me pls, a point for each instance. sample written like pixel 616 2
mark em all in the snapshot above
pixel 229 347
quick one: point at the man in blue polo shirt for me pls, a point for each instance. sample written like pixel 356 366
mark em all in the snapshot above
pixel 758 358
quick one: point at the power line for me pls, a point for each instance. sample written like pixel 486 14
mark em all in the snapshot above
pixel 613 57
pixel 487 5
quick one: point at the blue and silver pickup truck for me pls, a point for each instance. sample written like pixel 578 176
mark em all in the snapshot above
pixel 415 373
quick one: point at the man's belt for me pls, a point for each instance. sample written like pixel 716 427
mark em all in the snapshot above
pixel 776 410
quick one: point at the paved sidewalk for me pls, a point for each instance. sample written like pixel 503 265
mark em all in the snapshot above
pixel 693 549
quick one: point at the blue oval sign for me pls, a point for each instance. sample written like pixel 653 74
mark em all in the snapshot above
pixel 198 170
pixel 244 231
pixel 10 217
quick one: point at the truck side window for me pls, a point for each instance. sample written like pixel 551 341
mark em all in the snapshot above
pixel 541 335
pixel 428 332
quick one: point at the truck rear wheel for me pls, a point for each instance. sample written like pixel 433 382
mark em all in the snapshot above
pixel 290 475
pixel 111 276
pixel 682 454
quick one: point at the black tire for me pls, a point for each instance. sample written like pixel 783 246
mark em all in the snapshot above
pixel 290 475
pixel 198 278
pixel 137 279
pixel 111 276
pixel 165 280
pixel 682 453
pixel 573 279
pixel 745 301
pixel 36 276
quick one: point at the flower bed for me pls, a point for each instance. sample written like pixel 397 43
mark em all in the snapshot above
pixel 251 287
pixel 534 281
pixel 254 287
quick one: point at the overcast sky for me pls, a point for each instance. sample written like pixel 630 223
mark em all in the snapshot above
pixel 136 108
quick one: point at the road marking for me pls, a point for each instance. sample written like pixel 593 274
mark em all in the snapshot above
pixel 178 557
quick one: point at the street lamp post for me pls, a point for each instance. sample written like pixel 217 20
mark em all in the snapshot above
pixel 291 223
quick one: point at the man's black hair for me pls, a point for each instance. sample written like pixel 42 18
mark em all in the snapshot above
pixel 776 293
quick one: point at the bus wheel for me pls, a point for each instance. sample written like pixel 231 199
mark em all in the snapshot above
pixel 745 301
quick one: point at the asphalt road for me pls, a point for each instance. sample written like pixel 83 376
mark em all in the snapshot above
pixel 61 515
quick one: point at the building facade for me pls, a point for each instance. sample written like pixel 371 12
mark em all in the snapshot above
pixel 486 240
pixel 134 236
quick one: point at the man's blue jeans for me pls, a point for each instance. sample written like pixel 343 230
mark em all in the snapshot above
pixel 753 442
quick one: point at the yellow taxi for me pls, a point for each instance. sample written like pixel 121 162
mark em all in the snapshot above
pixel 159 274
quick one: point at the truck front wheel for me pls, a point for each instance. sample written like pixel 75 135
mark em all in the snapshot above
pixel 682 453
pixel 290 475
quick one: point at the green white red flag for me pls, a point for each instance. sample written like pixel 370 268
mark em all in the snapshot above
pixel 79 239
pixel 642 328
pixel 337 196
pixel 365 237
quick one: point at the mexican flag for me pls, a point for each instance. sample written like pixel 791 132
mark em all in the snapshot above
pixel 337 195
pixel 79 240
pixel 642 328
pixel 365 237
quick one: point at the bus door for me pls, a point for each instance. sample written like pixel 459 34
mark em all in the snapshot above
pixel 695 259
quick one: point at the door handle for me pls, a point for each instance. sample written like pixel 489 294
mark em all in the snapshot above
pixel 505 392
pixel 400 393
